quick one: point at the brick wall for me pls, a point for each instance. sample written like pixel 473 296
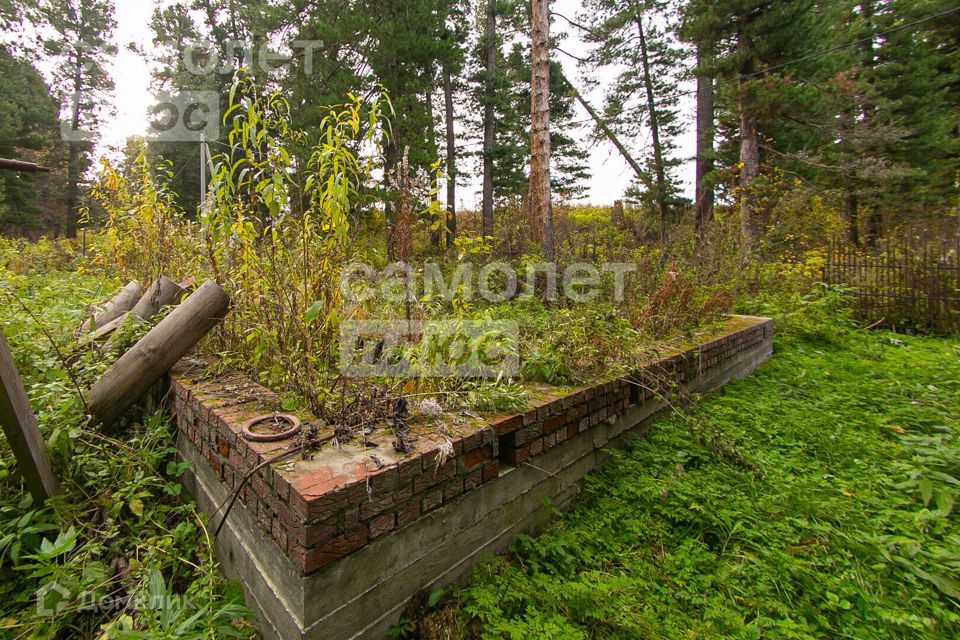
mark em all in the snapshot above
pixel 550 422
pixel 320 509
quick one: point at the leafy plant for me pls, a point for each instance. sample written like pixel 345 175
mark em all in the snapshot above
pixel 846 526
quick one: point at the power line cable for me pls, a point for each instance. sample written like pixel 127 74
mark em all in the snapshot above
pixel 816 54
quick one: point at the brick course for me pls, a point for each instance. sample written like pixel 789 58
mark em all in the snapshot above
pixel 320 509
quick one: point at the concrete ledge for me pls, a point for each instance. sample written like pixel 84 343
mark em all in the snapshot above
pixel 362 593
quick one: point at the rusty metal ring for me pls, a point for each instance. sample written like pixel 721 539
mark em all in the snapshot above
pixel 293 421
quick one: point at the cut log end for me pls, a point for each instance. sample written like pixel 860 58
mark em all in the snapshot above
pixel 151 358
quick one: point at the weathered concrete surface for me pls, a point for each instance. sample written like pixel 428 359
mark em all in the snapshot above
pixel 362 594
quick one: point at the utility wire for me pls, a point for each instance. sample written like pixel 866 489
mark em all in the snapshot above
pixel 811 56
pixel 817 54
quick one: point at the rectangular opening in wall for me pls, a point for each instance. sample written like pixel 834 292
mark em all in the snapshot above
pixel 507 452
pixel 634 390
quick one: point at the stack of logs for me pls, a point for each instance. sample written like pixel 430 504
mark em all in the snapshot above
pixel 147 361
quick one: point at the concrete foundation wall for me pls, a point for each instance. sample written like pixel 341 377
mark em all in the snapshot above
pixel 361 594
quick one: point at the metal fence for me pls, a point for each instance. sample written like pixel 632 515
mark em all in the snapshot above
pixel 903 285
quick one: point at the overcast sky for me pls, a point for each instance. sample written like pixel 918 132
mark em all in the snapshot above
pixel 132 97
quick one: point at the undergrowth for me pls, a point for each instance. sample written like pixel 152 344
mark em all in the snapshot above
pixel 843 525
pixel 123 552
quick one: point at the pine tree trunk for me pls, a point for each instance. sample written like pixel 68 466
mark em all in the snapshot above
pixel 661 195
pixel 852 205
pixel 704 190
pixel 486 216
pixel 874 218
pixel 451 159
pixel 749 157
pixel 538 200
pixel 73 157
pixel 436 236
pixel 874 228
pixel 391 157
pixel 73 188
pixel 749 170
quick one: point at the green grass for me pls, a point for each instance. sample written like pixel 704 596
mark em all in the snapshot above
pixel 844 529
pixel 123 530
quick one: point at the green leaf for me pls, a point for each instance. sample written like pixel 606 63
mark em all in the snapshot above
pixel 313 311
pixel 944 502
pixel 435 597
pixel 926 490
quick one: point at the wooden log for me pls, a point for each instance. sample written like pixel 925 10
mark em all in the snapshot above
pixel 148 360
pixel 20 426
pixel 20 165
pixel 162 292
pixel 118 305
pixel 107 329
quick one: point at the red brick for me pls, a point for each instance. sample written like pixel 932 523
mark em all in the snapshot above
pixel 472 441
pixel 572 430
pixel 334 549
pixel 489 436
pixel 431 500
pixel 525 435
pixel 260 487
pixel 377 506
pixel 387 479
pixel 298 505
pixel 550 441
pixel 536 447
pixel 236 460
pixel 331 501
pixel 229 476
pixel 477 457
pixel 553 423
pixel 507 425
pixel 281 487
pixel 409 468
pixel 473 480
pixel 279 535
pixel 452 489
pixel 296 553
pixel 382 524
pixel 519 455
pixel 348 518
pixel 264 517
pixel 315 533
pixel 291 522
pixel 408 512
pixel 547 409
pixel 491 470
pixel 429 460
pixel 434 476
pixel 215 463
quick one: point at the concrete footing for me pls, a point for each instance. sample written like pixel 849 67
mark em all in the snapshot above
pixel 361 594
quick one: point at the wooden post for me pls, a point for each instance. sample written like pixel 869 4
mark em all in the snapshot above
pixel 148 360
pixel 162 292
pixel 119 304
pixel 23 433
